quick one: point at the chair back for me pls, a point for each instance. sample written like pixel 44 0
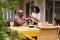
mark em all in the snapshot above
pixel 48 33
pixel 43 24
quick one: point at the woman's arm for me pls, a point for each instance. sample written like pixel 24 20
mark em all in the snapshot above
pixel 32 18
pixel 36 19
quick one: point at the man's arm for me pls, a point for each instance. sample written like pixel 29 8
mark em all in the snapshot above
pixel 22 22
pixel 18 20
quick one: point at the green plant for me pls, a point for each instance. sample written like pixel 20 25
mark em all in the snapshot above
pixel 4 31
pixel 13 35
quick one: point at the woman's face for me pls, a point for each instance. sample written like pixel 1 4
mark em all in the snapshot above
pixel 35 10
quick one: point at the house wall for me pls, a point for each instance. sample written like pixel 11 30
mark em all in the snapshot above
pixel 42 6
pixel 20 6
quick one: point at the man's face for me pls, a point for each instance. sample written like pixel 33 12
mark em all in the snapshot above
pixel 20 14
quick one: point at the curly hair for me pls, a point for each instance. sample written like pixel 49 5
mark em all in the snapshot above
pixel 37 9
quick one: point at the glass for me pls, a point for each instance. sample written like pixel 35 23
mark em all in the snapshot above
pixel 11 24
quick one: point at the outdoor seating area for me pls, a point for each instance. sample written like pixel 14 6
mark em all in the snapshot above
pixel 41 32
pixel 29 19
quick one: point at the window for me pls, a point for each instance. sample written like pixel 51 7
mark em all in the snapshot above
pixel 8 14
pixel 52 10
pixel 29 8
pixel 32 6
pixel 49 11
pixel 57 9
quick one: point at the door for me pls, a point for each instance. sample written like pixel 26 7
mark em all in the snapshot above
pixel 27 9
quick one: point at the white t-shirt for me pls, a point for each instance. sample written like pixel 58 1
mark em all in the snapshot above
pixel 36 15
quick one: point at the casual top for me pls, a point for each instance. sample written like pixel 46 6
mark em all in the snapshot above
pixel 37 16
pixel 17 19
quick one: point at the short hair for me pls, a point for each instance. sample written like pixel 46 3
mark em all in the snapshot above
pixel 20 11
pixel 37 9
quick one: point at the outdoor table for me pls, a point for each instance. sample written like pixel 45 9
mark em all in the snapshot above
pixel 28 31
pixel 25 30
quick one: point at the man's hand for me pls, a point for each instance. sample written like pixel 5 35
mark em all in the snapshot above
pixel 27 19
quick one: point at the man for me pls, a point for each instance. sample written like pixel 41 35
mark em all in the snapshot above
pixel 19 20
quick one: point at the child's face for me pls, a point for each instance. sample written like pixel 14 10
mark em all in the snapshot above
pixel 53 22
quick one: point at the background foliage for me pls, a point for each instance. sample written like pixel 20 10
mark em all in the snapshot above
pixel 4 32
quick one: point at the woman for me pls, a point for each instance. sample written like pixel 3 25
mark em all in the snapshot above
pixel 35 17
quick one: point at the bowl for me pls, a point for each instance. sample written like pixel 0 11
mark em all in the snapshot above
pixel 31 26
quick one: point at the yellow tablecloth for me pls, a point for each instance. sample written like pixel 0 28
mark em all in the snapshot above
pixel 26 31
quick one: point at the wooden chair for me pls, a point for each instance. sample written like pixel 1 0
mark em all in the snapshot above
pixel 48 33
pixel 42 24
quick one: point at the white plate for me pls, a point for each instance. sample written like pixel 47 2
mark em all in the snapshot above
pixel 32 28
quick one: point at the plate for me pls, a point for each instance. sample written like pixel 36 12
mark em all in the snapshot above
pixel 32 28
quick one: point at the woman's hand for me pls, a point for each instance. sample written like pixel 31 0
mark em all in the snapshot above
pixel 32 18
pixel 36 19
